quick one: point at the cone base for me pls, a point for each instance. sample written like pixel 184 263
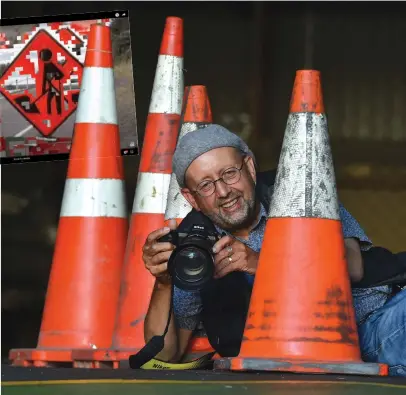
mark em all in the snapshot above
pixel 79 358
pixel 297 366
pixel 112 357
pixel 39 357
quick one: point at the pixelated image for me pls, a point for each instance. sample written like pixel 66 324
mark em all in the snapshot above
pixel 41 70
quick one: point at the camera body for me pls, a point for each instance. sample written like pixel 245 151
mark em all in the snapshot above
pixel 191 264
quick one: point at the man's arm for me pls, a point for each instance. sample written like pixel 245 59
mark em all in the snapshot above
pixel 187 307
pixel 355 240
pixel 156 320
pixel 354 259
pixel 382 267
pixel 184 319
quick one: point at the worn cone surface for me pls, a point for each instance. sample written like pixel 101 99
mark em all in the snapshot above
pixel 152 187
pixel 301 316
pixel 83 290
pixel 149 202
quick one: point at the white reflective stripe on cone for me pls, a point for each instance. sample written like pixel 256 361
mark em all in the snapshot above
pixel 93 197
pixel 151 193
pixel 305 185
pixel 177 206
pixel 167 91
pixel 97 98
pixel 188 127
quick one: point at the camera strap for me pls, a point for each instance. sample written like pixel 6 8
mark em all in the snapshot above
pixel 144 359
pixel 154 346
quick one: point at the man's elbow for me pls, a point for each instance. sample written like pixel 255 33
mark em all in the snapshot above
pixel 354 260
pixel 356 275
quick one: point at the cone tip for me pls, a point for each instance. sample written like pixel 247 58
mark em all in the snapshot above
pixel 197 105
pixel 174 19
pixel 99 47
pixel 196 89
pixel 172 40
pixel 308 73
pixel 307 94
pixel 98 25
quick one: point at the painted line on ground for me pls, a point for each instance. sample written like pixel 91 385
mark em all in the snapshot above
pixel 190 382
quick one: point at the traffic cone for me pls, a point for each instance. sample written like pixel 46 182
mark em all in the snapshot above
pixel 196 114
pixel 301 316
pixel 83 290
pixel 150 199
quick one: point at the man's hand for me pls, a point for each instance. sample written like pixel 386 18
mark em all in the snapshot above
pixel 156 254
pixel 231 255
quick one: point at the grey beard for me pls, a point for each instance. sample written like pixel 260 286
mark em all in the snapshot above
pixel 242 222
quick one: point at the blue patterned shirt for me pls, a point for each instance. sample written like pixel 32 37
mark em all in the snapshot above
pixel 188 305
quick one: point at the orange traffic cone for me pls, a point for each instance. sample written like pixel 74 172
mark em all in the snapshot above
pixel 81 302
pixel 196 113
pixel 150 198
pixel 152 187
pixel 301 316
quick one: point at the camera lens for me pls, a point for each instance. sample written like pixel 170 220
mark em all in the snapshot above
pixel 193 263
pixel 192 267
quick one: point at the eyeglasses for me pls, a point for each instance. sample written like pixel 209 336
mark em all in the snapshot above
pixel 230 176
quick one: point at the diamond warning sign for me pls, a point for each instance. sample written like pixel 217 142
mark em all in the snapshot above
pixel 43 83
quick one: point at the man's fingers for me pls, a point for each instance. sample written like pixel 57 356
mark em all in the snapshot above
pixel 221 264
pixel 225 240
pixel 228 250
pixel 156 234
pixel 160 258
pixel 227 260
pixel 160 247
pixel 159 270
pixel 224 253
pixel 225 267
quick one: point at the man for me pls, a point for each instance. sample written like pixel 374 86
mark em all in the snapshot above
pixel 217 175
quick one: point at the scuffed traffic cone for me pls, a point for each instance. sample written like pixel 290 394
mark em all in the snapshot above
pixel 196 113
pixel 301 316
pixel 152 187
pixel 150 199
pixel 83 290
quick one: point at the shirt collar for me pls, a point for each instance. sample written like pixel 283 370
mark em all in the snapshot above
pixel 262 214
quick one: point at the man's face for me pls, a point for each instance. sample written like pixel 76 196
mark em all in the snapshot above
pixel 231 207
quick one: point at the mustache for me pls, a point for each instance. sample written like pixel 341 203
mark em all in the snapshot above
pixel 231 196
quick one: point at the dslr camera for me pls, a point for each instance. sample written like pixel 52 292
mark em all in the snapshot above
pixel 191 264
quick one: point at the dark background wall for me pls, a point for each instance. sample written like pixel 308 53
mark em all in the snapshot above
pixel 247 55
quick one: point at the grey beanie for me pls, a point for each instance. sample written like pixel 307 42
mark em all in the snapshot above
pixel 200 141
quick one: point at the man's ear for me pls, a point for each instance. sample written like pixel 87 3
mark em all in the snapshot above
pixel 251 167
pixel 190 198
